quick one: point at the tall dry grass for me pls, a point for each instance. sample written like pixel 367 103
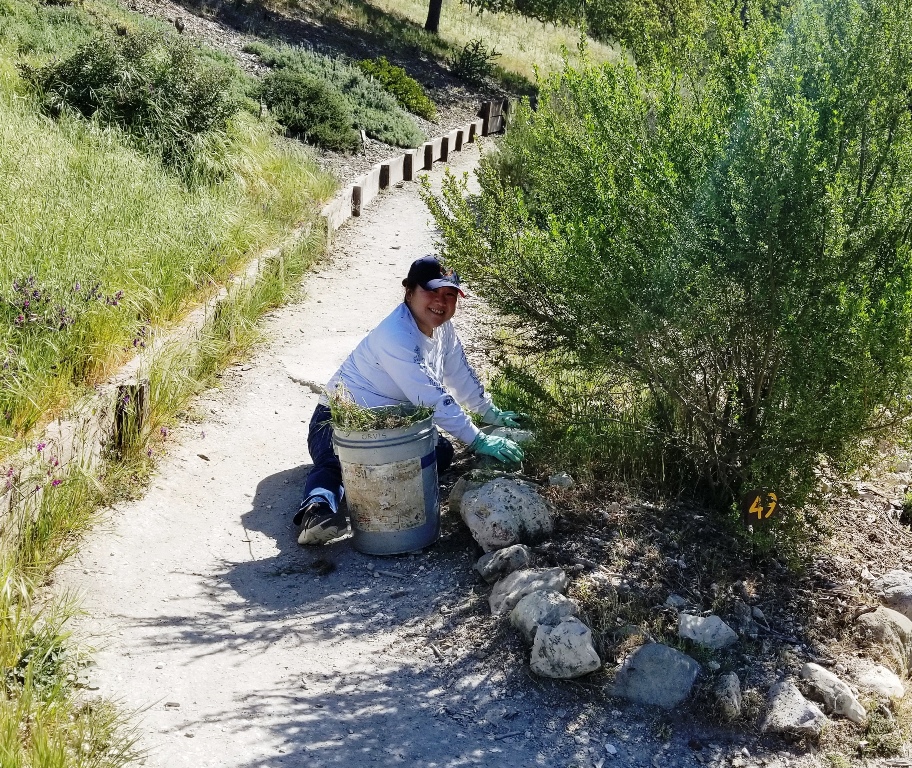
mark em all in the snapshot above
pixel 524 44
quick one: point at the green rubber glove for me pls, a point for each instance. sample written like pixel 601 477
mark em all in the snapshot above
pixel 500 418
pixel 499 448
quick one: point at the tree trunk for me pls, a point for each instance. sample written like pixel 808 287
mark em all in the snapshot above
pixel 433 18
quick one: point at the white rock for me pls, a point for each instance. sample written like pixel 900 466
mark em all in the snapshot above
pixel 890 635
pixel 789 712
pixel 537 608
pixel 675 601
pixel 505 511
pixel 496 565
pixel 469 482
pixel 710 631
pixel 728 696
pixel 892 579
pixel 880 680
pixel 656 675
pixel 514 434
pixel 509 591
pixel 564 651
pixel 837 696
pixel 561 480
pixel 899 598
pixel 895 589
pixel 744 616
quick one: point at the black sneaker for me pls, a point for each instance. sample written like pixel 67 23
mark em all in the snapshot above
pixel 319 523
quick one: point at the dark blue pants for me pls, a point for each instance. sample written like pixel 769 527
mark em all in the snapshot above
pixel 324 483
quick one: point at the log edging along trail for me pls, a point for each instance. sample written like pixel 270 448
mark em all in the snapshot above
pixel 354 198
pixel 105 418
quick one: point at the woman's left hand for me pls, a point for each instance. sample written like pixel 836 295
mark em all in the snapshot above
pixel 499 418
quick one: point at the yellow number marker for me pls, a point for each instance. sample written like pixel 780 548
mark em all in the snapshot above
pixel 773 501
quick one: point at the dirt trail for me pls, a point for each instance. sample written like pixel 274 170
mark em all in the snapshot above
pixel 221 630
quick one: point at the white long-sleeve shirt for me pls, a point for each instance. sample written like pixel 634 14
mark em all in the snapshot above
pixel 396 364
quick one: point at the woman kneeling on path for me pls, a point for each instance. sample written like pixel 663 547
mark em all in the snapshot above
pixel 413 356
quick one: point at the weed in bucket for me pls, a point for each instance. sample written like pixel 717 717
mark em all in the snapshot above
pixel 347 414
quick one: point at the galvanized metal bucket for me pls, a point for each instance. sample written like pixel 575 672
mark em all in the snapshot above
pixel 390 479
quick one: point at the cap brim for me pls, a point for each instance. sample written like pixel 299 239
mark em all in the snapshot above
pixel 433 285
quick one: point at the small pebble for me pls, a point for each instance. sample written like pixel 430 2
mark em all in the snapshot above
pixel 172 704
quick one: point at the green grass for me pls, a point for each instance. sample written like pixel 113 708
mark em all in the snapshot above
pixel 524 44
pixel 114 243
pixel 45 717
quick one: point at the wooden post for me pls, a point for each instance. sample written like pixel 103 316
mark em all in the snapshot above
pixel 495 117
pixel 356 200
pixel 131 411
pixel 485 114
pixel 408 166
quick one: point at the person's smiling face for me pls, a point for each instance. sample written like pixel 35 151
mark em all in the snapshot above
pixel 431 309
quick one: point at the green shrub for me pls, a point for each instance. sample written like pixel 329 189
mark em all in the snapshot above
pixel 158 89
pixel 408 91
pixel 731 238
pixel 309 108
pixel 373 110
pixel 474 62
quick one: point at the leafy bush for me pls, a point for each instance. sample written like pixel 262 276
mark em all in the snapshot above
pixel 309 108
pixel 407 90
pixel 158 89
pixel 648 28
pixel 731 238
pixel 474 62
pixel 373 110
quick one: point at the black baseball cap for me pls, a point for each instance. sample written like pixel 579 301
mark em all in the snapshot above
pixel 430 274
